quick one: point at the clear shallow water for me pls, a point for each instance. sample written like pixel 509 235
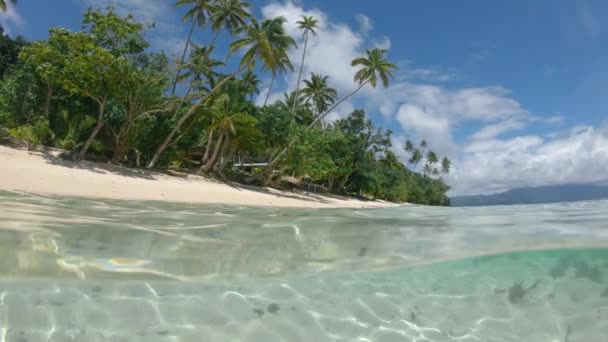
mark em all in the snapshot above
pixel 92 270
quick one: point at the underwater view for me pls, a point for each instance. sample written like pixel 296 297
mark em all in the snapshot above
pixel 75 269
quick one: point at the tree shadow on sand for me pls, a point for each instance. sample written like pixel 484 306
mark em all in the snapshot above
pixel 99 168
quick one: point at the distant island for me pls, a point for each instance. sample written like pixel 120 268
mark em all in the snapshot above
pixel 532 195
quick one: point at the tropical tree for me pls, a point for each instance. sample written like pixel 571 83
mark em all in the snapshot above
pixel 250 83
pixel 415 158
pixel 266 41
pixel 3 6
pixel 446 165
pixel 423 144
pixel 431 161
pixel 373 67
pixel 427 169
pixel 308 26
pixel 229 116
pixel 230 15
pixel 281 62
pixel 198 14
pixel 408 146
pixel 200 68
pixel 319 93
pixel 142 100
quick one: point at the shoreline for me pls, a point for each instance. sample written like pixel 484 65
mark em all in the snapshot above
pixel 44 173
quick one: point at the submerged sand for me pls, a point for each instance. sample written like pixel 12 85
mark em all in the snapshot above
pixel 45 173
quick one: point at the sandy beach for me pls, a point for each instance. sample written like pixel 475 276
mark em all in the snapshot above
pixel 45 173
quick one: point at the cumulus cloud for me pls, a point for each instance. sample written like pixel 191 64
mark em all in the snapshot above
pixel 423 106
pixel 328 53
pixel 365 23
pixel 579 156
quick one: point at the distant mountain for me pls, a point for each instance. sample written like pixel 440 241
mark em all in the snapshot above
pixel 532 195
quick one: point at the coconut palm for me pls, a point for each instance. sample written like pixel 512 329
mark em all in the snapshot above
pixel 427 169
pixel 198 14
pixel 250 83
pixel 280 62
pixel 227 114
pixel 408 146
pixel 308 26
pixel 415 158
pixel 423 144
pixel 230 15
pixel 446 164
pixel 3 6
pixel 319 93
pixel 266 42
pixel 302 113
pixel 373 67
pixel 200 69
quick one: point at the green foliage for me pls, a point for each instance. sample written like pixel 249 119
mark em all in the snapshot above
pixel 9 52
pixel 99 89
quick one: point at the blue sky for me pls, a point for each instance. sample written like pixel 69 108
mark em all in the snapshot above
pixel 514 92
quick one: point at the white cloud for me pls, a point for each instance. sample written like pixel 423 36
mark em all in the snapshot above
pixel 580 156
pixel 9 19
pixel 365 23
pixel 494 130
pixel 424 107
pixel 328 53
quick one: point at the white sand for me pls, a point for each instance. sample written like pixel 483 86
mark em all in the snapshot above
pixel 44 173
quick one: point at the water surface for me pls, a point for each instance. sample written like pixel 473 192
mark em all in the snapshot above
pixel 74 269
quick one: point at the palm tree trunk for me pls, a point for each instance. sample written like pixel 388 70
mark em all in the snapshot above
pixel 190 112
pixel 223 155
pixel 213 40
pixel 100 123
pixel 270 88
pixel 179 69
pixel 208 149
pixel 205 168
pixel 293 109
pixel 320 117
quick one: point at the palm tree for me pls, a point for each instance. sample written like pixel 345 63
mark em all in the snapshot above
pixel 415 158
pixel 200 68
pixel 230 15
pixel 227 115
pixel 250 83
pixel 3 6
pixel 319 93
pixel 408 146
pixel 198 14
pixel 427 169
pixel 431 161
pixel 373 67
pixel 266 42
pixel 285 64
pixel 446 164
pixel 308 24
pixel 431 158
pixel 302 113
pixel 423 144
pixel 280 63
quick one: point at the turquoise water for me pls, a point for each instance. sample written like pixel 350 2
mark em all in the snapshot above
pixel 97 270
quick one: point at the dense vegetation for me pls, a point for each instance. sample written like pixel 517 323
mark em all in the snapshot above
pixel 102 94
